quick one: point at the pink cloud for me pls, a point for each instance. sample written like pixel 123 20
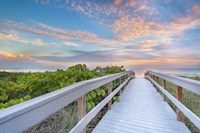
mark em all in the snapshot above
pixel 66 35
pixel 46 30
pixel 17 38
pixel 13 37
pixel 12 56
pixel 128 27
pixel 23 27
pixel 195 11
pixel 117 2
pixel 38 42
pixel 141 8
pixel 149 44
pixel 131 3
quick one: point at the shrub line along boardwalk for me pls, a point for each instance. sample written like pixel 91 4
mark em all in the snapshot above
pixel 141 107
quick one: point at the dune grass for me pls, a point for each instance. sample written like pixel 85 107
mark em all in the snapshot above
pixel 190 100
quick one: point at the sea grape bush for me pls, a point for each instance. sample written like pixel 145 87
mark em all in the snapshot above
pixel 19 87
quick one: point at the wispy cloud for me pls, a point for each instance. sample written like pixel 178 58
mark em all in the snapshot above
pixel 128 28
pixel 67 36
pixel 21 61
pixel 93 56
pixel 133 19
pixel 66 33
pixel 112 60
pixel 12 56
pixel 17 38
pixel 109 11
pixel 71 44
pixel 134 33
pixel 141 8
pixel 13 37
pixel 149 44
pixel 46 30
pixel 192 20
pixel 38 42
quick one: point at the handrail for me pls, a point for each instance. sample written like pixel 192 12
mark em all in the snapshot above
pixel 86 119
pixel 188 84
pixel 21 117
pixel 180 82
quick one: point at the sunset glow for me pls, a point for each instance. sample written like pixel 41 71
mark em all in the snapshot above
pixel 48 34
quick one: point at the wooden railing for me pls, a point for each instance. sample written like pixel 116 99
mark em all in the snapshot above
pixel 21 117
pixel 188 84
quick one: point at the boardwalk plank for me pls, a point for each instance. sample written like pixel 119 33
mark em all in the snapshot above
pixel 141 109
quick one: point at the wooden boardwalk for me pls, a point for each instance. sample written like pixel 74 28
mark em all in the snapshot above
pixel 141 109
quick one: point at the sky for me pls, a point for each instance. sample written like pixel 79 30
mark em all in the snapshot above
pixel 55 34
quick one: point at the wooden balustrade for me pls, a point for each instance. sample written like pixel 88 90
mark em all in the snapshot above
pixel 165 87
pixel 191 85
pixel 109 92
pixel 81 109
pixel 179 97
pixel 19 118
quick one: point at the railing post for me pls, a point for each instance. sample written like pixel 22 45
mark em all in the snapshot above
pixel 156 79
pixel 109 91
pixel 120 82
pixel 126 79
pixel 179 97
pixel 81 109
pixel 164 86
